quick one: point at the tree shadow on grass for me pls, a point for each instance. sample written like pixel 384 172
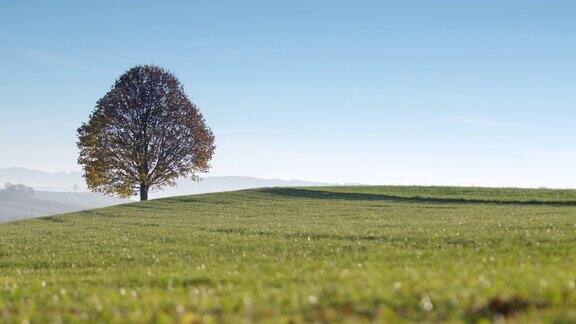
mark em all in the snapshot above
pixel 358 196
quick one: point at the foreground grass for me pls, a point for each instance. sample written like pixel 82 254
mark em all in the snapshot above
pixel 383 254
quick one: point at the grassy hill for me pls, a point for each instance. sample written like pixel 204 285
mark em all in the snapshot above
pixel 300 254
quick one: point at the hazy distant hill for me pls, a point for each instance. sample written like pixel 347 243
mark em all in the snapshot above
pixel 65 181
pixel 51 202
pixel 59 192
pixel 41 180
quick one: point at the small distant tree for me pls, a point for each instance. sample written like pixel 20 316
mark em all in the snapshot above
pixel 143 134
pixel 16 192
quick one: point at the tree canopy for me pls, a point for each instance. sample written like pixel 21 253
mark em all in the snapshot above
pixel 143 134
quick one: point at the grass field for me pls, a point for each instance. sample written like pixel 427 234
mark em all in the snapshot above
pixel 380 254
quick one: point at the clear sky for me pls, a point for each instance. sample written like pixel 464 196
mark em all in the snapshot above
pixel 378 92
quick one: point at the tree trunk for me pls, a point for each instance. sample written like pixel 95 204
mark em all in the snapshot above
pixel 143 192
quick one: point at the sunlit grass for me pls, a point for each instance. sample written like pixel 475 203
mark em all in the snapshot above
pixel 312 254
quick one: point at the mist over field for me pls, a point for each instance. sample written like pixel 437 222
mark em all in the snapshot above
pixel 43 203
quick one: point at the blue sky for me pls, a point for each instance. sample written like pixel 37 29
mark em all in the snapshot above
pixel 403 92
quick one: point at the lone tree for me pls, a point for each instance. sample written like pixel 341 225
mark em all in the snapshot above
pixel 143 134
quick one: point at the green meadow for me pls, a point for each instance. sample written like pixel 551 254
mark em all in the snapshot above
pixel 292 255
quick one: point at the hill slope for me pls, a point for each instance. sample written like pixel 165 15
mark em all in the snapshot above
pixel 299 254
pixel 53 202
pixel 65 181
